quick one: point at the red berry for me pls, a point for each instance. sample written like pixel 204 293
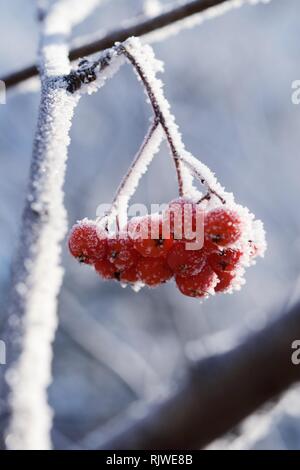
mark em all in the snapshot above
pixel 196 286
pixel 107 270
pixel 225 260
pixel 153 271
pixel 121 253
pixel 222 226
pixel 130 275
pixel 148 237
pixel 185 220
pixel 225 279
pixel 185 262
pixel 87 242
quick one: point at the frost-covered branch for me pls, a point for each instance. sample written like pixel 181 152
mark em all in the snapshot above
pixel 139 166
pixel 170 21
pixel 216 395
pixel 145 68
pixel 37 275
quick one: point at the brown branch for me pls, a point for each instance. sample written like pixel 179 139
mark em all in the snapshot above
pixel 217 394
pixel 119 35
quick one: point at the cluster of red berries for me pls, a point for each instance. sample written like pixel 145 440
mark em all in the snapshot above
pixel 141 253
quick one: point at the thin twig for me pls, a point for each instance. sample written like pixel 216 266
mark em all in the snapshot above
pixel 159 115
pixel 167 122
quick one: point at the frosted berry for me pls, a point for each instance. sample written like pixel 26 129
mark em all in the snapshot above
pixel 121 253
pixel 196 286
pixel 149 239
pixel 184 219
pixel 225 280
pixel 185 262
pixel 224 260
pixel 222 226
pixel 107 270
pixel 87 242
pixel 153 271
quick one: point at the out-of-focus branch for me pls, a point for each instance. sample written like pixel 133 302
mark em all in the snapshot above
pixel 217 393
pixel 145 26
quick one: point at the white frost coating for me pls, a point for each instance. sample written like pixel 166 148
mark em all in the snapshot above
pixel 197 18
pixel 144 56
pixel 65 14
pixel 62 16
pixel 252 241
pixel 38 274
pixel 39 286
pixel 139 166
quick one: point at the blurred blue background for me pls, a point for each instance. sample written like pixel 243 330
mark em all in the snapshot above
pixel 229 84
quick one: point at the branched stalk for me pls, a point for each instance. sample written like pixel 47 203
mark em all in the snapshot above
pixel 29 330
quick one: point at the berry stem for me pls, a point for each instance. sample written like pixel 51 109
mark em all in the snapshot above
pixel 199 177
pixel 159 114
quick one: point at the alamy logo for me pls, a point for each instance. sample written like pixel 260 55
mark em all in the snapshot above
pixel 2 92
pixel 2 353
pixel 185 222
